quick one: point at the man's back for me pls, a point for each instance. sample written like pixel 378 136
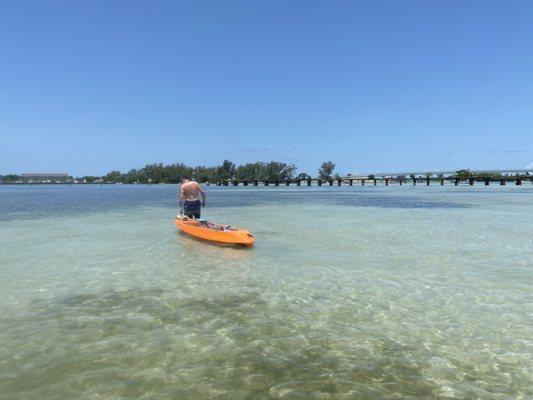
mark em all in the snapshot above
pixel 190 190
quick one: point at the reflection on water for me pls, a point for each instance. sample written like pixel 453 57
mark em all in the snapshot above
pixel 337 300
pixel 228 252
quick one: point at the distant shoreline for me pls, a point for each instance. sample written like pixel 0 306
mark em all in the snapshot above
pixel 344 182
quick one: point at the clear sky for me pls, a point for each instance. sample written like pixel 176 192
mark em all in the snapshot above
pixel 91 86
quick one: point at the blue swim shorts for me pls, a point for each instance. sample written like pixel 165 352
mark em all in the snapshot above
pixel 192 208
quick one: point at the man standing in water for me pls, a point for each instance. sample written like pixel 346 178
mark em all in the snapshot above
pixel 190 192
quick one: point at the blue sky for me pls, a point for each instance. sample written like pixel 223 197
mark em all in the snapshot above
pixel 87 87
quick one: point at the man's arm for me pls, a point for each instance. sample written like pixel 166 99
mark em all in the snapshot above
pixel 181 196
pixel 201 194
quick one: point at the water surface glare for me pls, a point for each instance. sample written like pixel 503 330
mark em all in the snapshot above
pixel 350 293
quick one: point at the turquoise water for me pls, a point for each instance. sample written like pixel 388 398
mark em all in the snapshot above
pixel 349 293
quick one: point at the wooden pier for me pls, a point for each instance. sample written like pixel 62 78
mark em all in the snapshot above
pixel 378 182
pixel 501 177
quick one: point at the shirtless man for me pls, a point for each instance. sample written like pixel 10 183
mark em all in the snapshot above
pixel 190 192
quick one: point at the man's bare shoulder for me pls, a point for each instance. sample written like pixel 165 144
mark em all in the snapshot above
pixel 190 184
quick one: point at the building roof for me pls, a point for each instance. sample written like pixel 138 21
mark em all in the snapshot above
pixel 41 175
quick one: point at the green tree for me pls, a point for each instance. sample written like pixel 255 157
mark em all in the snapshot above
pixel 11 178
pixel 174 172
pixel 113 177
pixel 152 173
pixel 326 170
pixel 250 171
pixel 131 176
pixel 205 174
pixel 226 171
pixel 279 171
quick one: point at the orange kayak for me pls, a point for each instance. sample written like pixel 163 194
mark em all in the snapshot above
pixel 215 232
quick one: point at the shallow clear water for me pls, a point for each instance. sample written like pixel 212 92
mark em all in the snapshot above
pixel 366 293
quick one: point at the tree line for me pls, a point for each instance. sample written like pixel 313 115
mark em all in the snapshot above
pixel 261 171
pixel 172 173
pixel 273 171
